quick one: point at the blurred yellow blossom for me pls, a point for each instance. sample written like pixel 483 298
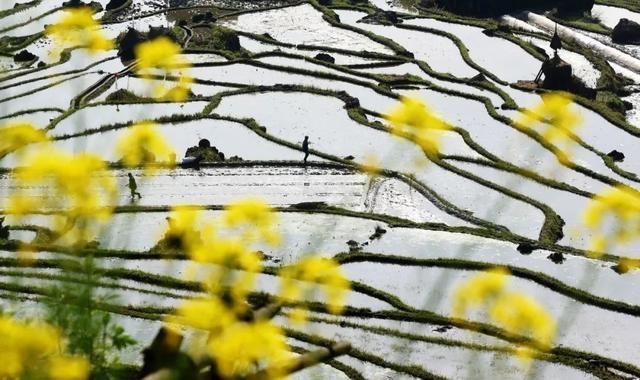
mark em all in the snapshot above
pixel 77 27
pixel 371 165
pixel 206 314
pixel 413 119
pixel 478 290
pixel 612 217
pixel 244 348
pixel 241 341
pixel 183 232
pixel 178 93
pixel 69 368
pixel 297 280
pixel 557 119
pixel 626 264
pixel 161 56
pixel 516 313
pixel 33 350
pixel 14 136
pixel 144 145
pixel 236 267
pixel 254 219
pixel 160 53
pixel 78 188
pixel 522 315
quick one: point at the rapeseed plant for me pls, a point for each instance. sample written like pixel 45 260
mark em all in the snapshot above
pixel 143 145
pixel 78 28
pixel 14 136
pixel 414 120
pixel 163 57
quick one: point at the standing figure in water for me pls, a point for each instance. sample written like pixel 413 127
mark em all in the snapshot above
pixel 305 148
pixel 133 187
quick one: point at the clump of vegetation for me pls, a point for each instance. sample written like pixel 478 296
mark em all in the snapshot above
pixel 117 4
pixel 93 5
pixel 205 152
pixel 612 101
pixel 125 96
pixel 225 39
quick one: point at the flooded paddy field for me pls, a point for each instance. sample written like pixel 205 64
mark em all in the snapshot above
pixel 407 227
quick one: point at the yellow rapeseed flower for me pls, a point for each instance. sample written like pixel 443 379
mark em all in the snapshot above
pixel 77 27
pixel 413 119
pixel 254 219
pixel 516 313
pixel 144 145
pixel 160 53
pixel 14 136
pixel 613 217
pixel 178 93
pixel 298 279
pixel 183 232
pixel 35 350
pixel 235 270
pixel 478 290
pixel 209 314
pixel 244 348
pixel 522 315
pixel 162 56
pixel 69 368
pixel 557 120
pixel 78 187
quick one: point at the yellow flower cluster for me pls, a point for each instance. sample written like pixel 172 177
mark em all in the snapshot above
pixel 78 189
pixel 520 314
pixel 613 217
pixel 245 347
pixel 32 350
pixel 300 279
pixel 14 136
pixel 515 313
pixel 143 145
pixel 184 228
pixel 77 27
pixel 241 346
pixel 478 291
pixel 254 219
pixel 413 119
pixel 556 118
pixel 162 56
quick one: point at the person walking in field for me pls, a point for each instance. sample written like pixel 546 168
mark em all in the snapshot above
pixel 133 187
pixel 305 148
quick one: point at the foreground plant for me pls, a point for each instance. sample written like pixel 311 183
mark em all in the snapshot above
pixel 162 57
pixel 613 217
pixel 142 145
pixel 76 188
pixel 516 313
pixel 556 122
pixel 239 341
pixel 414 120
pixel 14 136
pixel 33 350
pixel 78 28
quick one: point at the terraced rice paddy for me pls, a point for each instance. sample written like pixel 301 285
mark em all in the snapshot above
pixel 446 219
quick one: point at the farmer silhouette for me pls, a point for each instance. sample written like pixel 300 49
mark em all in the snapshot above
pixel 133 186
pixel 305 148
